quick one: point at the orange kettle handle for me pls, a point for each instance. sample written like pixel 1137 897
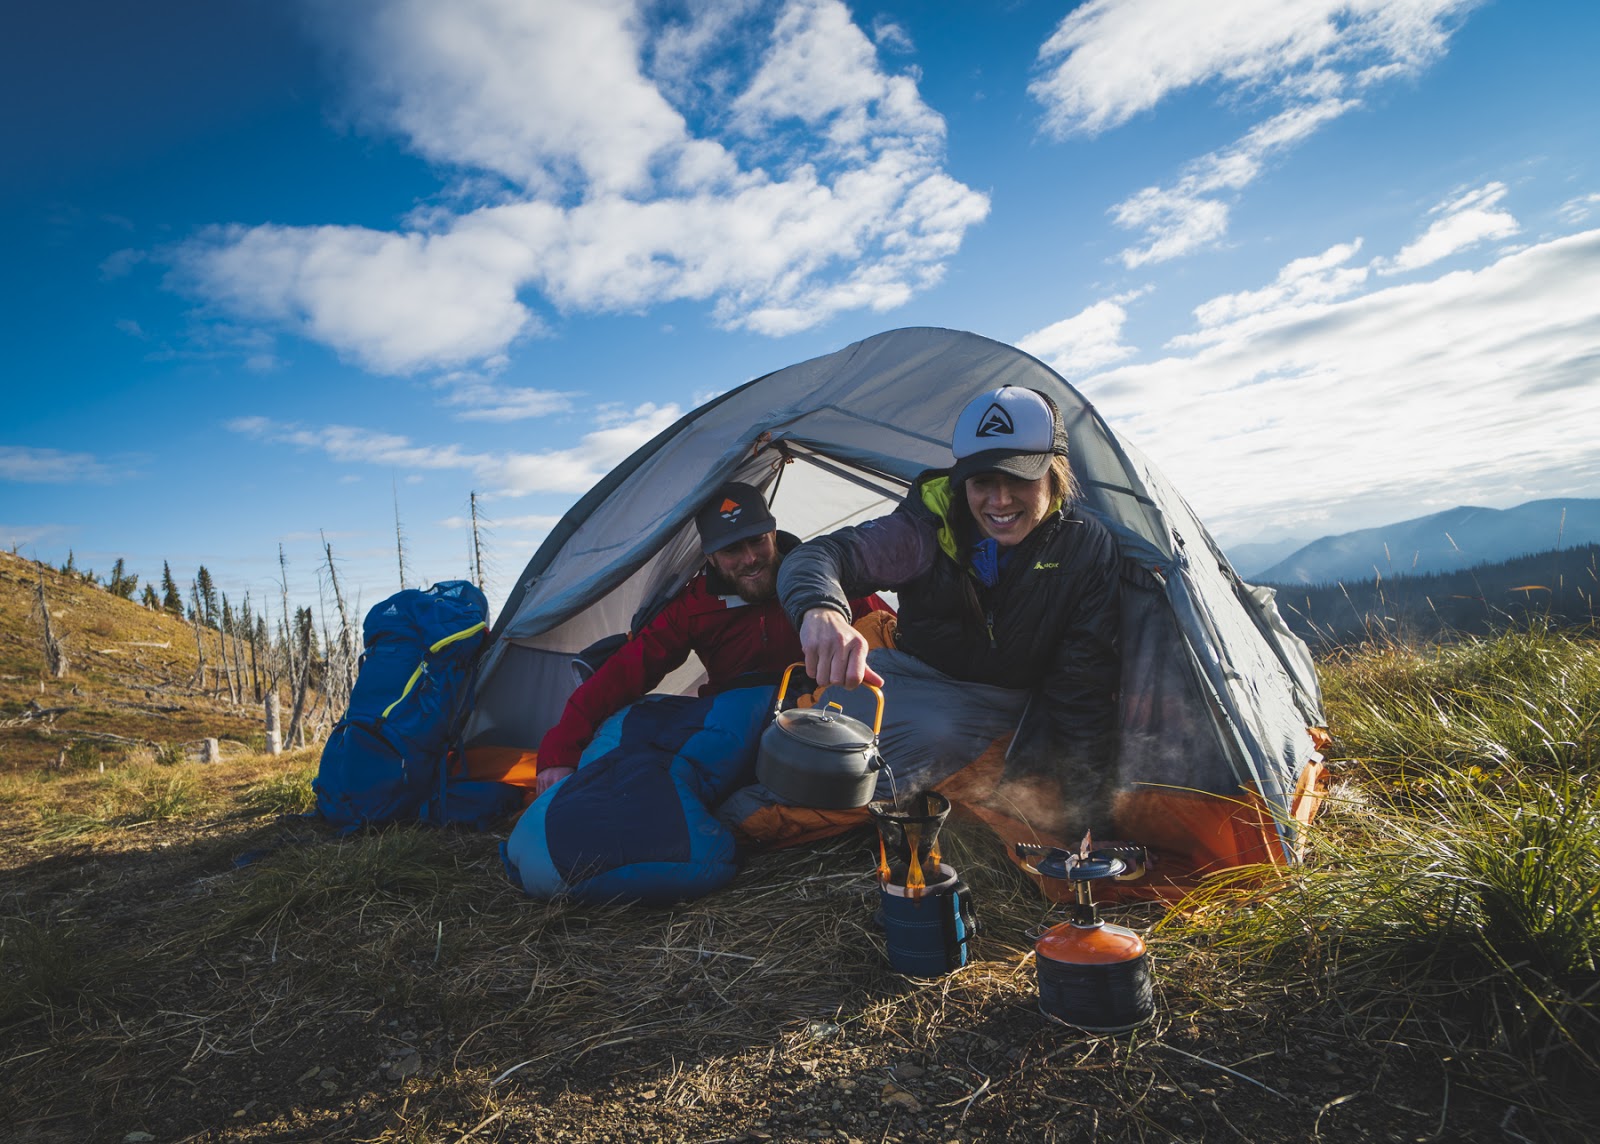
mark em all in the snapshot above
pixel 783 690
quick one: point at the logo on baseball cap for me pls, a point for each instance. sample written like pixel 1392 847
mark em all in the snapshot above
pixel 736 512
pixel 1008 430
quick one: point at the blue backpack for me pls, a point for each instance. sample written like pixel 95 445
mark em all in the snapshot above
pixel 387 759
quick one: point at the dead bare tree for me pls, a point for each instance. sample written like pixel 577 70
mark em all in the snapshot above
pixel 477 545
pixel 199 642
pixel 274 730
pixel 297 730
pixel 55 652
pixel 244 632
pixel 399 536
pixel 288 641
pixel 258 634
pixel 272 660
pixel 225 622
pixel 342 655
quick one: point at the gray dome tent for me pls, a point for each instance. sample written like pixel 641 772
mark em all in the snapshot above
pixel 1217 763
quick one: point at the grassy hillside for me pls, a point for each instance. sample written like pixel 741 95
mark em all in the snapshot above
pixel 131 681
pixel 184 958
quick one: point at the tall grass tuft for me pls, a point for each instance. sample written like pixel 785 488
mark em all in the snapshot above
pixel 133 795
pixel 1471 915
pixel 1529 697
pixel 287 792
pixel 1454 885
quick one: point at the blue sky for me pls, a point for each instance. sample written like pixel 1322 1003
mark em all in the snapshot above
pixel 273 269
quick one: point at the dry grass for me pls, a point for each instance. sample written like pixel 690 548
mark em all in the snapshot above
pixel 241 976
pixel 183 955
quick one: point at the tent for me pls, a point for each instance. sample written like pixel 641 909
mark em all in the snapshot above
pixel 1218 762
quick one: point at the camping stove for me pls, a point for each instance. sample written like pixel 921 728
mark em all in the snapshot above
pixel 925 906
pixel 1093 975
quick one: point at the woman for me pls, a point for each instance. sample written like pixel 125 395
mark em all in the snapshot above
pixel 1009 608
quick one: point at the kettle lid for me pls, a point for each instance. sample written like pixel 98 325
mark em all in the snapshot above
pixel 826 726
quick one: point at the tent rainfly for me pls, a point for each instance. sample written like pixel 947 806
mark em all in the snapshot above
pixel 1220 708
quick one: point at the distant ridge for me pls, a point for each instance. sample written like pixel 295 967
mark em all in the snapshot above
pixel 1554 589
pixel 1448 541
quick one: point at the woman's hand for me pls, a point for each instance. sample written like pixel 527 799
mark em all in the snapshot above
pixel 547 777
pixel 835 652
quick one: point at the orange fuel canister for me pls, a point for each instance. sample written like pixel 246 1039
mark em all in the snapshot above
pixel 1095 977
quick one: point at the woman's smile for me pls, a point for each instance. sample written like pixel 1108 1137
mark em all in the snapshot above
pixel 1007 508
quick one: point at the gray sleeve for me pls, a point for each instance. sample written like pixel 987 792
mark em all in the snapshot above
pixel 827 571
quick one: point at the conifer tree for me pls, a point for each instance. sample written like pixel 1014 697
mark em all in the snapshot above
pixel 121 584
pixel 306 627
pixel 229 664
pixel 171 598
pixel 210 613
pixel 150 599
pixel 261 645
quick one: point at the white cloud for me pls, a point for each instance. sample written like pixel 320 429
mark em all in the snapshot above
pixel 891 36
pixel 1179 219
pixel 695 54
pixel 1087 341
pixel 1461 223
pixel 821 69
pixel 51 466
pixel 809 181
pixel 1319 278
pixel 482 399
pixel 577 469
pixel 541 94
pixel 1577 210
pixel 352 444
pixel 573 470
pixel 1304 408
pixel 120 263
pixel 1110 60
pixel 533 522
pixel 393 302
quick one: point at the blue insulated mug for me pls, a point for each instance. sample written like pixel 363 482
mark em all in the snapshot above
pixel 928 935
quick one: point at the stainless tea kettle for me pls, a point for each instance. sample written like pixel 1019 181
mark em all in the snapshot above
pixel 819 756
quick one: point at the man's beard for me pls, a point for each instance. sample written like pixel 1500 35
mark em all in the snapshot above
pixel 759 589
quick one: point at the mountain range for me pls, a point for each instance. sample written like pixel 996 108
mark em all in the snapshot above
pixel 1448 541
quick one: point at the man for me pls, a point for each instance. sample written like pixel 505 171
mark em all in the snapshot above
pixel 728 615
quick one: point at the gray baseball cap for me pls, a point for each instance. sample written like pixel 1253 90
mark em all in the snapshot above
pixel 1009 430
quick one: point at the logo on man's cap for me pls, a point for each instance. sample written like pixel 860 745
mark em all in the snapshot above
pixel 729 510
pixel 996 422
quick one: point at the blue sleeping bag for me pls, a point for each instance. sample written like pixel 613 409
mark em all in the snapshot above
pixel 635 822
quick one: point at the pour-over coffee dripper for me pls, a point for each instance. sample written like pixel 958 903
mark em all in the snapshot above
pixel 908 838
pixel 924 906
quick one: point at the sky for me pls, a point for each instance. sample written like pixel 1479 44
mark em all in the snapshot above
pixel 278 274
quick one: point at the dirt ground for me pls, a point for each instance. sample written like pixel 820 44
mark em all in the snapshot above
pixel 455 1010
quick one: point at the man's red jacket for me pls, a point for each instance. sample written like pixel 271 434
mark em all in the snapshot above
pixel 732 638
